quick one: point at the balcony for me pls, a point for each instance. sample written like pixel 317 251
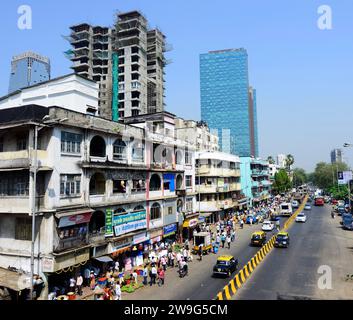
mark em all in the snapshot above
pixel 181 192
pixel 217 172
pixel 70 243
pixel 206 188
pixel 97 237
pixel 22 159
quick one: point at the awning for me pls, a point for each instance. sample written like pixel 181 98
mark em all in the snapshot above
pixel 104 259
pixel 14 280
pixel 72 212
pixel 120 251
pixel 190 223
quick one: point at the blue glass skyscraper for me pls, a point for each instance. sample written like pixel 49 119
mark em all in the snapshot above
pixel 28 69
pixel 228 104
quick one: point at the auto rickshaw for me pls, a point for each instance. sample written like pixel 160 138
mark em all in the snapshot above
pixel 258 238
pixel 202 239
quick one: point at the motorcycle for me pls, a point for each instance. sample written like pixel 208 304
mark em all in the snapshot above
pixel 332 214
pixel 183 272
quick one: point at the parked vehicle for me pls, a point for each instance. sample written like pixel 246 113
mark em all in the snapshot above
pixel 254 220
pixel 341 210
pixel 225 266
pixel 258 238
pixel 204 239
pixel 347 221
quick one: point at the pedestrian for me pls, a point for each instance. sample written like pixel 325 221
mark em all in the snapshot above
pixel 117 266
pixel 161 276
pixel 164 263
pixel 135 276
pixel 232 235
pixel 187 244
pixel 92 283
pixel 153 275
pixel 121 277
pixel 223 239
pixel 86 274
pixel 200 252
pixel 228 241
pixel 79 282
pixel 185 254
pixel 179 258
pixel 117 291
pixel 218 240
pixel 145 275
pixel 72 284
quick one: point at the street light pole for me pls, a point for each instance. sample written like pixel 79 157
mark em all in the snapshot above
pixel 33 206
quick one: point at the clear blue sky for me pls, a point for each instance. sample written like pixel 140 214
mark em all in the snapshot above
pixel 303 75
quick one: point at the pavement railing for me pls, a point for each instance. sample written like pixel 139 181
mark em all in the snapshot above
pixel 244 274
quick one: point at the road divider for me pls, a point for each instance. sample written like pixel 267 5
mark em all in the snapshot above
pixel 240 278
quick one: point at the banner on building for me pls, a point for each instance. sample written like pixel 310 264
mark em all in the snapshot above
pixel 344 177
pixel 169 230
pixel 109 223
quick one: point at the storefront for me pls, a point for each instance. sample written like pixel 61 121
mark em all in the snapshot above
pixel 156 235
pixel 73 229
pixel 189 225
pixel 139 250
pixel 119 251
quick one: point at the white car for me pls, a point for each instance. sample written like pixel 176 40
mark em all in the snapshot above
pixel 295 204
pixel 301 217
pixel 307 207
pixel 267 226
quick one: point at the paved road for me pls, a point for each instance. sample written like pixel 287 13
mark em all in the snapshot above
pixel 199 285
pixel 293 273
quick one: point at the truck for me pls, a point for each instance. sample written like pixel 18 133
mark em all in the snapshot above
pixel 285 209
pixel 203 239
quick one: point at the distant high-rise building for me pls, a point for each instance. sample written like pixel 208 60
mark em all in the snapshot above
pixel 336 156
pixel 91 58
pixel 127 61
pixel 228 104
pixel 281 160
pixel 28 69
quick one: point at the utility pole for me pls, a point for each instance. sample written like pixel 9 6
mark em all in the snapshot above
pixel 34 168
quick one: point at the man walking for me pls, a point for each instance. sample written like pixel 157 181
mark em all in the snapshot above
pixel 223 239
pixel 145 275
pixel 228 241
pixel 79 282
pixel 153 275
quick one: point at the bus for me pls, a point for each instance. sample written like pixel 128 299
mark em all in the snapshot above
pixel 285 209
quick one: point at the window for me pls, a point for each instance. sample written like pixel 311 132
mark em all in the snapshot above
pixel 121 61
pixel 135 67
pixel 23 229
pixel 71 142
pixel 119 150
pixel 121 105
pixel 135 94
pixel 188 181
pixel 189 205
pixel 135 58
pixel 14 184
pixel 134 49
pixel 135 76
pixel 135 103
pixel 155 211
pixel 121 78
pixel 121 52
pixel 121 96
pixel 187 157
pixel 121 114
pixel 135 112
pixel 166 185
pixel 121 69
pixel 138 152
pixel 138 185
pixel 170 210
pixel 21 143
pixel 135 85
pixel 70 185
pixel 119 186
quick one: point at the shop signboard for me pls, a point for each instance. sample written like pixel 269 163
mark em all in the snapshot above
pixel 118 244
pixel 129 222
pixel 169 230
pixel 75 219
pixel 47 265
pixel 140 238
pixel 109 223
pixel 193 223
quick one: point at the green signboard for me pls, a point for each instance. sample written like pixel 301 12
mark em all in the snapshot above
pixel 109 223
pixel 131 217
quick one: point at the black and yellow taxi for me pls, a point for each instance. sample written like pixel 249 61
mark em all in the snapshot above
pixel 258 238
pixel 282 240
pixel 225 266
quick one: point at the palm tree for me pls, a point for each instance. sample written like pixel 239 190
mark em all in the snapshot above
pixel 270 160
pixel 289 161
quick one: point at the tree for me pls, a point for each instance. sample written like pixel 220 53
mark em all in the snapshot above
pixel 289 162
pixel 270 160
pixel 299 177
pixel 325 174
pixel 282 182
